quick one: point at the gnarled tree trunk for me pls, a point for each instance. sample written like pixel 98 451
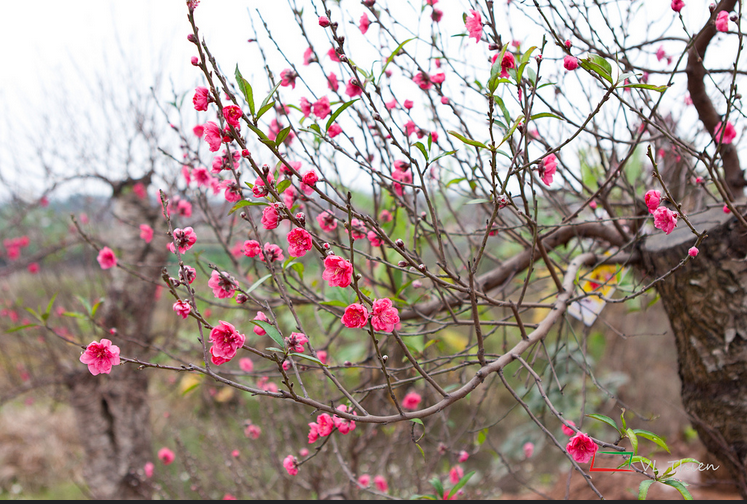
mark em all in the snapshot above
pixel 112 411
pixel 706 301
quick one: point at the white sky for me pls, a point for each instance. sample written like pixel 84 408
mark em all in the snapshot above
pixel 56 43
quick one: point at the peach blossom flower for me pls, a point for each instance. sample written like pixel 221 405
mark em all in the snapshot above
pixel 381 483
pixel 106 258
pixel 326 221
pixel 364 480
pixel 232 113
pixel 722 21
pixel 148 468
pixel 223 286
pixel 455 474
pixel 547 168
pixel 184 239
pixel 693 252
pixel 270 217
pixel 182 308
pixel 226 341
pixel 567 430
pixel 570 63
pixel 290 463
pixel 528 450
pixel 356 316
pixel 299 242
pixel 474 25
pixel 337 271
pixel 252 431
pixel 363 24
pixel 729 133
pixel 200 99
pixel 296 341
pixel 263 318
pixel 411 401
pixel 652 199
pixel 246 364
pixel 100 357
pixel 321 107
pixel 677 5
pixel 384 316
pixel 665 219
pixel 581 447
pixel 146 233
pixel 334 130
pixel 272 253
pixel 251 248
pixel 463 456
pixel 166 456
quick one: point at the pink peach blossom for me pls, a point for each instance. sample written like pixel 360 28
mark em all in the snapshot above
pixel 381 483
pixel 252 431
pixel 251 248
pixel 213 136
pixel 665 219
pixel 411 400
pixel 246 364
pixel 200 99
pixel 474 25
pixel 232 114
pixel 310 178
pixel 323 21
pixel 288 78
pixel 305 107
pixel 334 130
pixel 455 474
pixel 299 242
pixel 188 274
pixel 326 221
pixel 313 435
pixel 677 5
pixel 33 268
pixel 332 82
pixel 652 199
pixel 337 271
pixel 290 463
pixel 223 286
pixel 296 341
pixel 272 253
pixel 139 190
pixel 184 239
pixel 528 450
pixel 355 316
pixel 322 356
pixel 437 14
pixel 324 425
pixel 409 104
pixel 423 80
pixel 270 217
pixel 463 456
pixel 148 469
pixel 364 480
pixel 226 341
pixel 357 229
pixel 106 258
pixel 100 357
pixel 385 216
pixel 384 316
pixel 343 425
pixel 333 56
pixel 184 208
pixel 693 252
pixel 321 107
pixel 308 56
pixel 567 430
pixel 570 63
pixel 722 21
pixel 182 308
pixel 363 24
pixel 508 61
pixel 374 239
pixel 166 456
pixel 581 447
pixel 729 133
pixel 391 104
pixel 547 168
pixel 259 331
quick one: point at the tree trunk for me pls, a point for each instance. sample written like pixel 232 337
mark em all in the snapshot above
pixel 706 301
pixel 112 412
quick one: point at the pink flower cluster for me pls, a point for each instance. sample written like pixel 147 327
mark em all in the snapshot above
pixel 664 218
pixel 384 317
pixel 325 424
pixel 14 245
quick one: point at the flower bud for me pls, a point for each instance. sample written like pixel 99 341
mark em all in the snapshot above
pixel 323 21
pixel 327 246
pixel 191 38
pixel 369 3
pixel 384 358
pixel 245 153
pixel 301 217
pixel 493 47
pixel 195 61
pixel 402 264
pixel 421 267
pixel 241 298
pixel 712 7
pixel 347 363
pixel 398 242
pixel 734 17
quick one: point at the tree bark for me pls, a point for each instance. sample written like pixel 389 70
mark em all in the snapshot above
pixel 112 411
pixel 706 301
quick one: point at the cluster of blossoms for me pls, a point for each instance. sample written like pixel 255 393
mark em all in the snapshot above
pixel 325 424
pixel 384 317
pixel 13 246
pixel 664 218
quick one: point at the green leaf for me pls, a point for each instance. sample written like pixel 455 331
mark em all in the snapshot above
pixel 503 108
pixel 477 201
pixel 430 141
pixel 338 112
pixel 422 453
pixel 74 314
pixel 307 357
pixel 658 89
pixel 281 135
pixel 18 328
pixel 461 483
pixel 417 421
pixel 423 497
pixel 95 307
pixel 684 461
pixel 473 143
pixel 245 203
pixel 605 419
pixel 271 331
pixel 622 419
pixel 643 488
pixel 652 437
pixel 481 436
pixel 282 186
pixel 395 52
pixel 513 128
pixel 455 181
pixel 268 98
pixel 275 349
pixel 49 306
pixel 523 63
pixel 258 131
pixel 257 284
pixel 34 313
pixel 680 486
pixel 544 114
pixel 444 154
pixel 85 303
pixel 265 107
pixel 316 128
pixel 335 302
pixel 633 440
pixel 196 384
pixel 436 484
pixel 422 150
pixel 245 88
